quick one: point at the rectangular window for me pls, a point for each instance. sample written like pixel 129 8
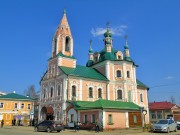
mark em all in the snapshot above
pixel 128 74
pixel 118 73
pixel 85 118
pixel 93 118
pixel 29 106
pixel 141 97
pixel 110 121
pixel 1 105
pixel 22 106
pixel 153 115
pixel 15 106
pixel 159 115
pixel 135 119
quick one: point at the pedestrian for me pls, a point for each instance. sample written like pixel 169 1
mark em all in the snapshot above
pixel 14 122
pixel 97 126
pixel 78 125
pixel 75 125
pixel 2 123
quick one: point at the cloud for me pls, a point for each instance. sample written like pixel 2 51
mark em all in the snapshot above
pixel 169 77
pixel 117 31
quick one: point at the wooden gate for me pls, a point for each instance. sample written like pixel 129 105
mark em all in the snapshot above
pixel 135 119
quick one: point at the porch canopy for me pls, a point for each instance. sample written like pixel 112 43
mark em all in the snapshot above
pixel 105 104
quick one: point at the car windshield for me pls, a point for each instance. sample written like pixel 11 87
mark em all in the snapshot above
pixel 162 122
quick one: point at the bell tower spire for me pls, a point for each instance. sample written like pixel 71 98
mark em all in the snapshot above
pixel 62 45
pixel 63 40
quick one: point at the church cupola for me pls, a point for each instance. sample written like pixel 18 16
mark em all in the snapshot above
pixel 62 40
pixel 91 57
pixel 108 39
pixel 126 48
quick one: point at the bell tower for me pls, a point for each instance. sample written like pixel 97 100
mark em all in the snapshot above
pixel 62 40
pixel 62 46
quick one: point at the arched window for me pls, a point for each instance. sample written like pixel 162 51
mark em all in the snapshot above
pixel 119 57
pixel 99 93
pixel 73 91
pixel 51 91
pixel 128 74
pixel 119 94
pixel 141 97
pixel 118 73
pixel 59 90
pixel 58 115
pixel 44 93
pixel 90 92
pixel 67 45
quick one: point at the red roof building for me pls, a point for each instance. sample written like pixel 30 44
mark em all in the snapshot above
pixel 160 105
pixel 163 110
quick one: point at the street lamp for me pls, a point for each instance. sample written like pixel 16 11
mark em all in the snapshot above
pixel 144 114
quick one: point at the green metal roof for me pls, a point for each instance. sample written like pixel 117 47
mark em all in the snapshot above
pixel 108 55
pixel 105 104
pixel 82 71
pixel 14 96
pixel 139 83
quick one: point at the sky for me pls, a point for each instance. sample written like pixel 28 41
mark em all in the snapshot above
pixel 153 28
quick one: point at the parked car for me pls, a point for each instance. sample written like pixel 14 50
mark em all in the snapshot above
pixel 165 125
pixel 48 126
pixel 178 124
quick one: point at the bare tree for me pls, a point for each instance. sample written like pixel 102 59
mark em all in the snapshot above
pixel 31 92
pixel 172 100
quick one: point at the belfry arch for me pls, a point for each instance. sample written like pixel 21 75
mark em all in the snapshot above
pixel 47 113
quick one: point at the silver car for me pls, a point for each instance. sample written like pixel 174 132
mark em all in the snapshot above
pixel 165 125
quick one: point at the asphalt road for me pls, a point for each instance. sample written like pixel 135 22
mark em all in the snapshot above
pixel 9 130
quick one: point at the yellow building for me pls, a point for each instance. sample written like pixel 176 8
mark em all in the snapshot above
pixel 15 106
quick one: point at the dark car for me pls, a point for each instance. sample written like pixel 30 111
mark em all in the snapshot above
pixel 178 124
pixel 48 126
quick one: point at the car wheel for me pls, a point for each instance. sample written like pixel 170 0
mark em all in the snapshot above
pixel 48 130
pixel 36 129
pixel 168 130
pixel 58 130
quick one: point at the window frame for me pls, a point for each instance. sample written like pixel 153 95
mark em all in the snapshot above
pixel 119 97
pixel 73 91
pixel 29 106
pixel 99 93
pixel 22 106
pixel 118 74
pixel 15 105
pixel 59 90
pixel 141 98
pixel 110 119
pixel 93 118
pixel 90 92
pixel 51 92
pixel 2 105
pixel 67 44
pixel 128 74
